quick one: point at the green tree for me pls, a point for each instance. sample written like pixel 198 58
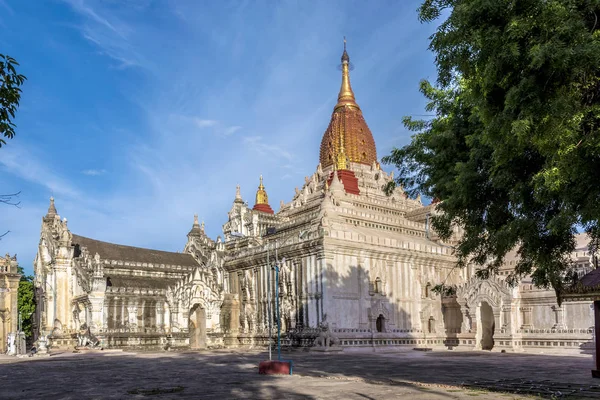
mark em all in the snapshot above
pixel 513 150
pixel 10 95
pixel 26 302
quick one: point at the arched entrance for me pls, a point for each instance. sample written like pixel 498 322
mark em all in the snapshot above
pixel 197 327
pixel 380 323
pixel 487 326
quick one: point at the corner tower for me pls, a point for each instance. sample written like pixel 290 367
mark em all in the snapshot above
pixel 347 139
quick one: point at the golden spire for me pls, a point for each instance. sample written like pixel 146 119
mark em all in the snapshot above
pixel 347 139
pixel 346 95
pixel 261 193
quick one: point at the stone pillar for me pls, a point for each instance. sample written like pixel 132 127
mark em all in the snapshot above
pixel 97 319
pixel 132 319
pixel 466 319
pixel 167 317
pixel 527 318
pixel 159 310
pixel 230 319
pixel 559 318
pixel 62 297
pixel 596 372
pixel 299 270
pixel 123 313
pixel 497 325
pixel 175 327
pixel 473 319
pixel 506 318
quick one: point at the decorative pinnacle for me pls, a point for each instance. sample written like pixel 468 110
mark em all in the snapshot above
pixel 346 95
pixel 238 195
pixel 261 193
pixel 52 207
pixel 196 227
pixel 345 57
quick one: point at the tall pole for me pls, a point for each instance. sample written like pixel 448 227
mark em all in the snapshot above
pixel 269 316
pixel 277 300
pixel 278 317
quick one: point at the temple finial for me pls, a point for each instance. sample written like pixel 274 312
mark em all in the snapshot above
pixel 238 195
pixel 261 193
pixel 52 208
pixel 262 200
pixel 196 231
pixel 346 95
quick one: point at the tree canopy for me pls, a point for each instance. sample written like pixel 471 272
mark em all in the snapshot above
pixel 26 302
pixel 10 95
pixel 513 151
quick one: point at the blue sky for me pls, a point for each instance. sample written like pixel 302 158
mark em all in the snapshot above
pixel 137 114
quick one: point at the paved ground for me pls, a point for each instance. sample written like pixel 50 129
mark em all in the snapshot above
pixel 349 375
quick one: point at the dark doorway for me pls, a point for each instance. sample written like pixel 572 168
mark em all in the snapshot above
pixel 487 326
pixel 380 323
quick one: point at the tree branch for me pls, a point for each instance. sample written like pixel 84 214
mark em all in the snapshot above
pixel 8 199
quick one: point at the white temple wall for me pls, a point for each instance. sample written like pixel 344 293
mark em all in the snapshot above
pixel 578 315
pixel 346 287
pixel 544 315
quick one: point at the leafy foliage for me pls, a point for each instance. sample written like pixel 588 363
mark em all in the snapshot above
pixel 513 151
pixel 10 95
pixel 26 302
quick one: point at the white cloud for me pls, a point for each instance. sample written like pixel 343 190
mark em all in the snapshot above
pixel 93 172
pixel 27 164
pixel 113 37
pixel 205 123
pixel 257 144
pixel 231 130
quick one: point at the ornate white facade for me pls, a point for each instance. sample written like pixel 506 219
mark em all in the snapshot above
pixel 352 261
pixel 9 287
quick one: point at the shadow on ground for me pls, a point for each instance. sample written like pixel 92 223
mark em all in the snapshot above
pixel 227 374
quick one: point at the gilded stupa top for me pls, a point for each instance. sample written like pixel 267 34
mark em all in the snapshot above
pixel 262 199
pixel 347 138
pixel 261 193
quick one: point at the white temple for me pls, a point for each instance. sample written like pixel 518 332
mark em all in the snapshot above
pixel 356 269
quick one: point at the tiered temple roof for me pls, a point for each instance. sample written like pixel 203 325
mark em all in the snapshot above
pixel 111 251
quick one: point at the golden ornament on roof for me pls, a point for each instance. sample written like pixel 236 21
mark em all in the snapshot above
pixel 347 138
pixel 261 193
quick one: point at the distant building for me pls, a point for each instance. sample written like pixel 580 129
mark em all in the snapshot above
pixel 357 268
pixel 9 289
